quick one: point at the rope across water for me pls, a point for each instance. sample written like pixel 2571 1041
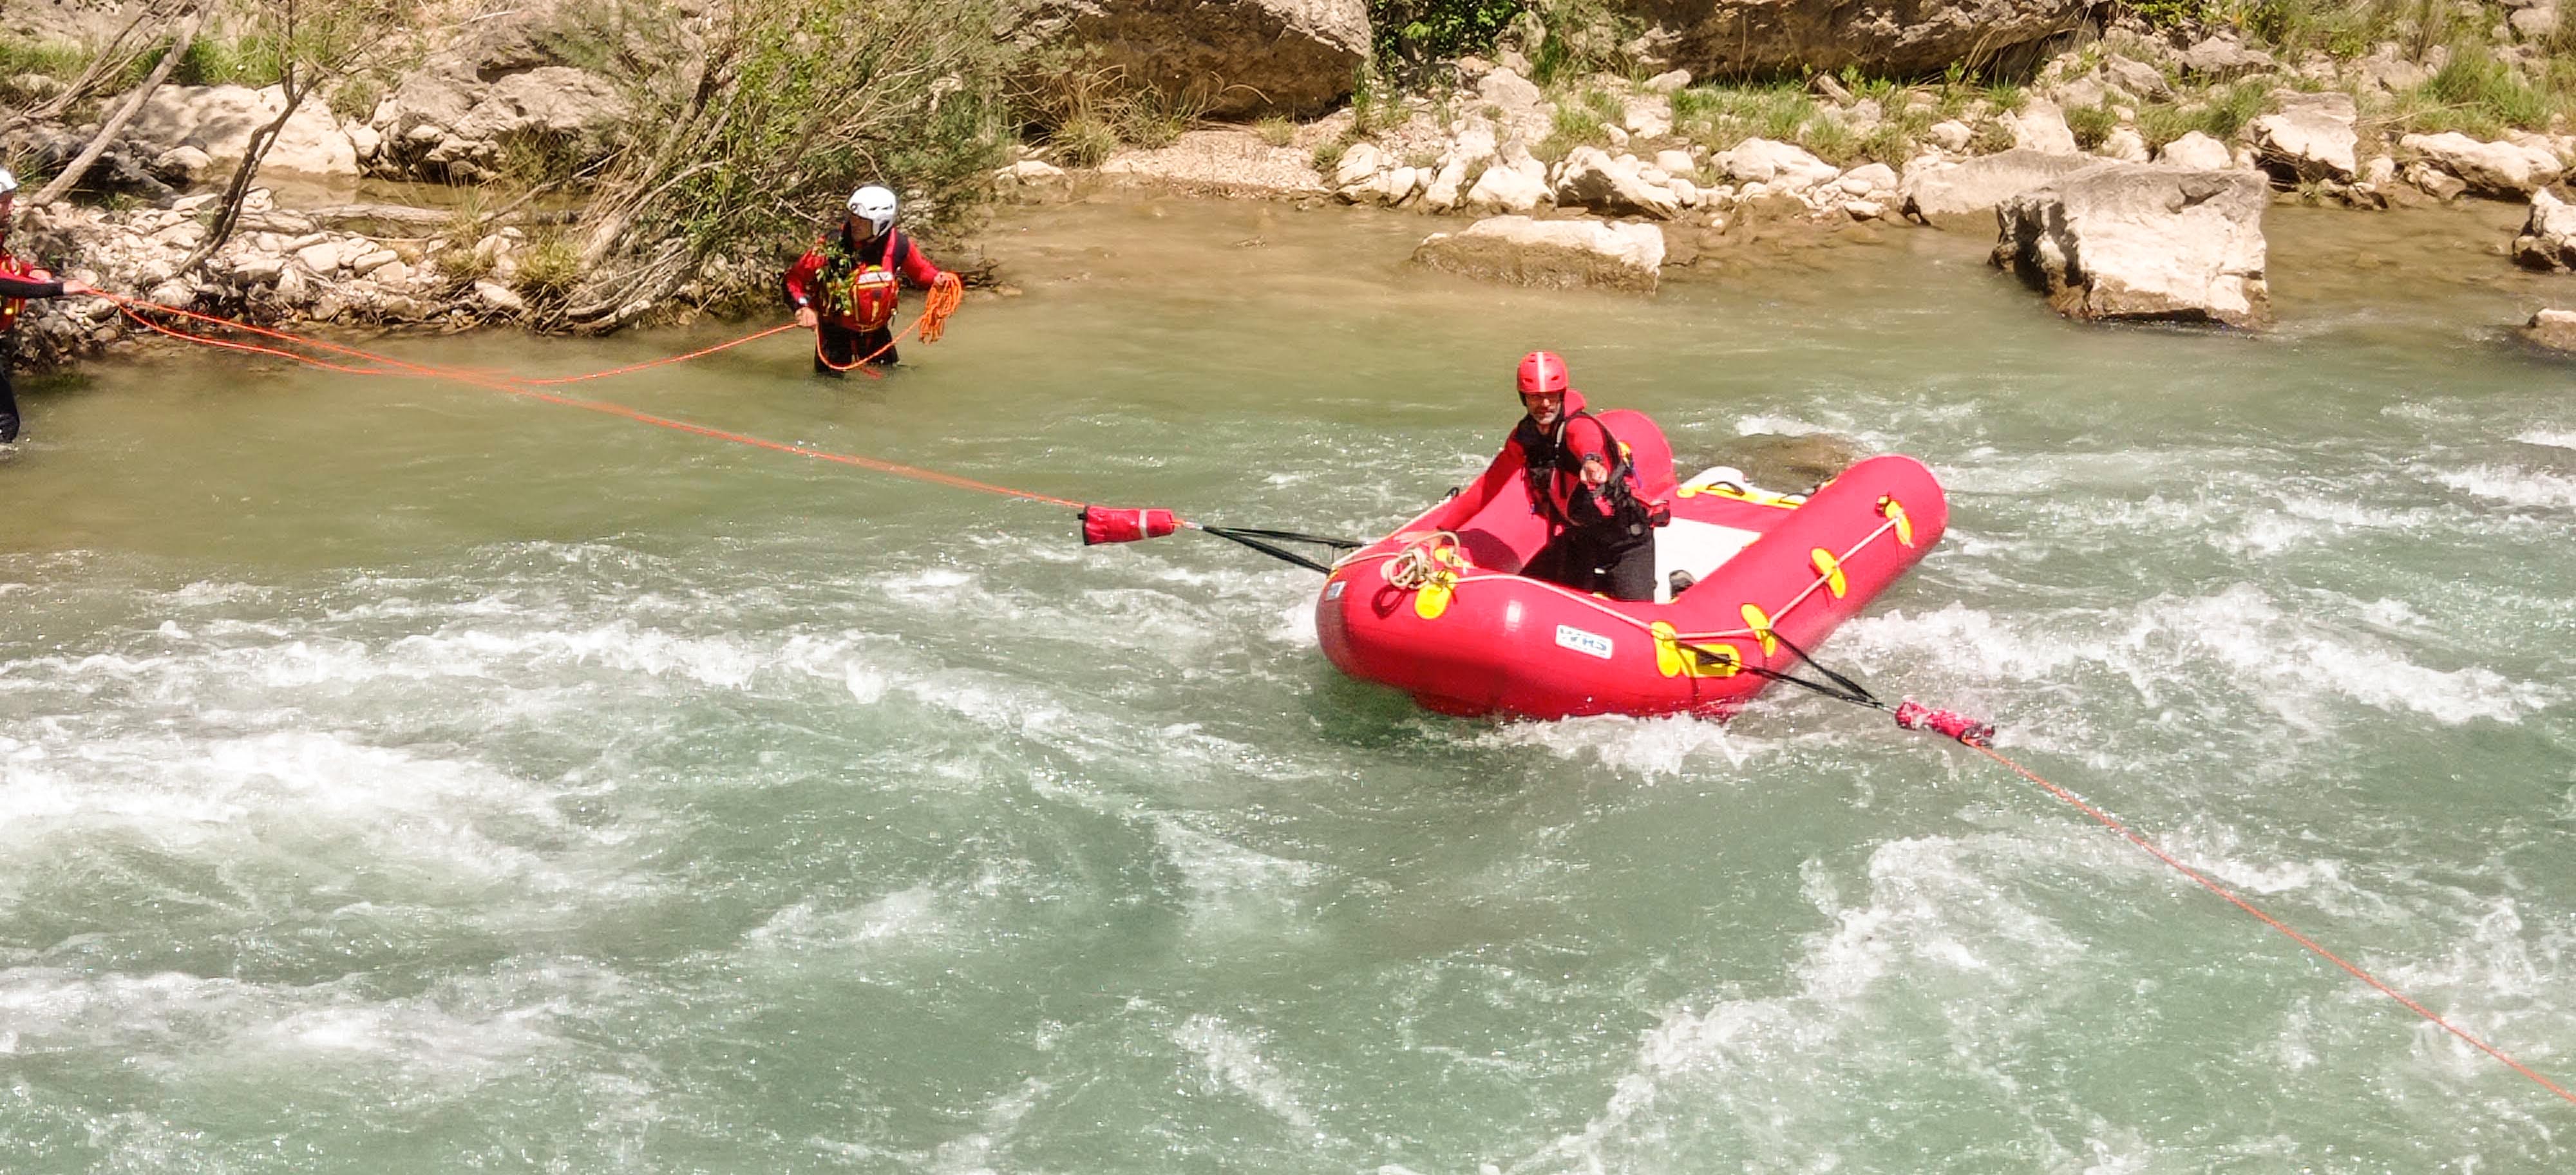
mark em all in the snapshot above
pixel 1416 564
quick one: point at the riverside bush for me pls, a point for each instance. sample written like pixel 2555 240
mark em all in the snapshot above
pixel 793 106
pixel 1411 34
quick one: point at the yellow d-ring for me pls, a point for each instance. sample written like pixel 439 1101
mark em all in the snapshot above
pixel 1760 622
pixel 1676 659
pixel 1831 569
pixel 1895 511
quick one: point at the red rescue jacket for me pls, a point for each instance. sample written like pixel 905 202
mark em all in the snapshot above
pixel 856 284
pixel 19 281
pixel 1552 463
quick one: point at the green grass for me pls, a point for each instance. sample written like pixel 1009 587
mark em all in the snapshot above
pixel 2091 124
pixel 1275 131
pixel 2227 109
pixel 548 270
pixel 2160 123
pixel 1083 140
pixel 213 61
pixel 56 61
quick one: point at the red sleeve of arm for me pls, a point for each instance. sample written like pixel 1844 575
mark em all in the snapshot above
pixel 917 268
pixel 1585 437
pixel 18 287
pixel 800 278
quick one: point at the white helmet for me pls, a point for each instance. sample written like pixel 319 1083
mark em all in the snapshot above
pixel 875 205
pixel 8 182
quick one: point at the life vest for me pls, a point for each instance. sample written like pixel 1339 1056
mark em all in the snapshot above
pixel 1556 476
pixel 869 293
pixel 10 308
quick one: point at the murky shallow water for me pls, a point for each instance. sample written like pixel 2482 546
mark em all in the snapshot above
pixel 396 774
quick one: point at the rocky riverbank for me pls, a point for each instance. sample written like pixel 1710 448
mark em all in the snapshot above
pixel 2125 177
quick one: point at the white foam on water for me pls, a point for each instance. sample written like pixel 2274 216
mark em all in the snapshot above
pixel 457 1034
pixel 1970 640
pixel 1759 424
pixel 1235 889
pixel 1654 747
pixel 2170 641
pixel 911 915
pixel 975 1153
pixel 1944 921
pixel 2551 437
pixel 2512 485
pixel 260 809
pixel 1230 1059
pixel 1296 627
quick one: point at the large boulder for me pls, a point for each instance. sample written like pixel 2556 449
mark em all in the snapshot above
pixel 1517 182
pixel 446 123
pixel 2041 126
pixel 2492 169
pixel 2220 58
pixel 1720 38
pixel 2311 138
pixel 1948 189
pixel 219 121
pixel 2548 239
pixel 1241 57
pixel 2195 151
pixel 1594 179
pixel 1558 253
pixel 2121 241
pixel 1783 166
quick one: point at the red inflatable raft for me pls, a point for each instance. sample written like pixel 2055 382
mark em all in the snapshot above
pixel 1436 611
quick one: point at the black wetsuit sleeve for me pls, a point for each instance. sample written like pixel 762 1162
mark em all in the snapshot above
pixel 19 287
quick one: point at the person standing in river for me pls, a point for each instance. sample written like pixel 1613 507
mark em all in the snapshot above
pixel 845 288
pixel 19 281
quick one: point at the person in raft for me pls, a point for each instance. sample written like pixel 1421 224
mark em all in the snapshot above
pixel 19 281
pixel 846 286
pixel 1601 529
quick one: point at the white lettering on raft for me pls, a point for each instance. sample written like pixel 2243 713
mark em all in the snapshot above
pixel 1588 643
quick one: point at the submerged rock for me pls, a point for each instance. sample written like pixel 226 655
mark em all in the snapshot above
pixel 2554 329
pixel 2119 241
pixel 1557 253
pixel 1795 462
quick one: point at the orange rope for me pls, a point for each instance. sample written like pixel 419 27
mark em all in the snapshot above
pixel 633 367
pixel 248 348
pixel 512 386
pixel 2303 940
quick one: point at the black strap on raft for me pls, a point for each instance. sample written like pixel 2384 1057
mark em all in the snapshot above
pixel 1263 540
pixel 1843 688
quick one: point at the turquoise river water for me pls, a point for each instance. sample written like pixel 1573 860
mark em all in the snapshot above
pixel 399 777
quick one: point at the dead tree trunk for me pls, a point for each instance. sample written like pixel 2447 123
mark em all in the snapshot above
pixel 79 167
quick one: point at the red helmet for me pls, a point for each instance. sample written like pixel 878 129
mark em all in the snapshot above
pixel 1542 372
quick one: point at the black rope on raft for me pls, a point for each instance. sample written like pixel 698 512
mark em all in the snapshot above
pixel 1263 540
